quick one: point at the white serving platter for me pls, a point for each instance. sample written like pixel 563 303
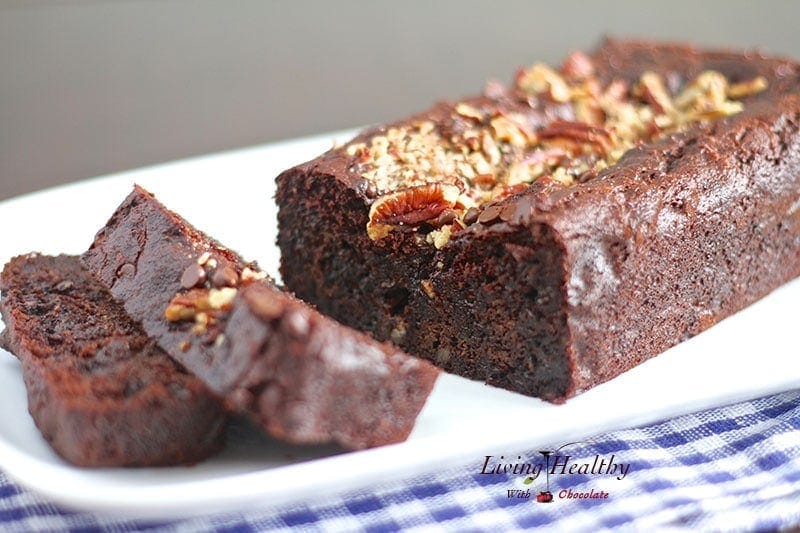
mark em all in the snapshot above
pixel 229 195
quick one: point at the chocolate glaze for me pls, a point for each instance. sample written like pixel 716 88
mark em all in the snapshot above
pixel 569 286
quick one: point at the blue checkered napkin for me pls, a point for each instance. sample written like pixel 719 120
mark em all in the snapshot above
pixel 736 467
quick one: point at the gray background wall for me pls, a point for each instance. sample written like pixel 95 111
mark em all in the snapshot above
pixel 90 87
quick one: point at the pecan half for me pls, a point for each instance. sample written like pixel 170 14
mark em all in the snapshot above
pixel 409 207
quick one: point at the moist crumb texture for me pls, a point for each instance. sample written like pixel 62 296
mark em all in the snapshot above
pixel 548 235
pixel 100 391
pixel 301 376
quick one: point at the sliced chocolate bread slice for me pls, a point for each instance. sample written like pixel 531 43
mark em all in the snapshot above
pixel 100 391
pixel 299 375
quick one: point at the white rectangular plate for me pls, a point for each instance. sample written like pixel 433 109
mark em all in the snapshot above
pixel 230 196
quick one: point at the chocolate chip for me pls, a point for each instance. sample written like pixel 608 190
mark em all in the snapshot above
pixel 471 216
pixel 508 213
pixel 296 324
pixel 125 271
pixel 193 276
pixel 225 277
pixel 264 306
pixel 583 177
pixel 489 214
pixel 446 217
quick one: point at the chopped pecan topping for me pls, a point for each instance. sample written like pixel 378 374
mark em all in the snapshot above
pixel 249 274
pixel 210 287
pixel 201 303
pixel 588 110
pixel 616 91
pixel 573 135
pixel 577 66
pixel 203 259
pixel 706 97
pixel 466 110
pixel 494 89
pixel 439 237
pixel 651 87
pixel 427 286
pixel 541 79
pixel 185 306
pixel 747 88
pixel 438 176
pixel 221 299
pixel 513 131
pixel 201 322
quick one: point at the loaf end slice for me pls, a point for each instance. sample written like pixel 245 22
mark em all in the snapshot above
pixel 100 391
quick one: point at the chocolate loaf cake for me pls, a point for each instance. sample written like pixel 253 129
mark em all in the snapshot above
pixel 299 375
pixel 547 236
pixel 99 390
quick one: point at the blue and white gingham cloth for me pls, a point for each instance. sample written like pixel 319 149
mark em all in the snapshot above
pixel 731 468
